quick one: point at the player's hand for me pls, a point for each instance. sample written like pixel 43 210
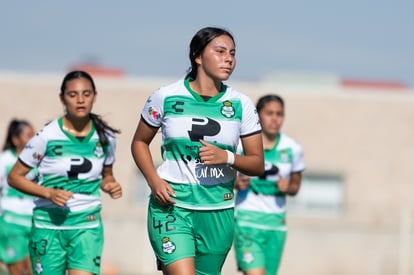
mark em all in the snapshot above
pixel 59 196
pixel 242 182
pixel 113 188
pixel 162 192
pixel 211 154
pixel 283 185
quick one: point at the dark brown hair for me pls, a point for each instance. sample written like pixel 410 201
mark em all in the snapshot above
pixel 100 125
pixel 199 42
pixel 14 130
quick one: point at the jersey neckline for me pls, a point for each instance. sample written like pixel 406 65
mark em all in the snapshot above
pixel 198 97
pixel 74 138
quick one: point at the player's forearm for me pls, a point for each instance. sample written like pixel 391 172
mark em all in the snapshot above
pixel 143 159
pixel 28 187
pixel 252 165
pixel 293 187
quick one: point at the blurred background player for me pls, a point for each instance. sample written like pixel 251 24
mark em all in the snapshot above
pixel 15 207
pixel 260 230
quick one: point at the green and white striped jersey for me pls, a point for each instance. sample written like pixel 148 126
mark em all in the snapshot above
pixel 185 118
pixel 16 206
pixel 263 196
pixel 65 162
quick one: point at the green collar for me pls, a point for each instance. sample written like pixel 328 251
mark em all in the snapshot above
pixel 73 138
pixel 198 97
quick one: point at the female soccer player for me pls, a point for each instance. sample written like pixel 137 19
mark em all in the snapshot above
pixel 15 207
pixel 190 215
pixel 74 155
pixel 260 230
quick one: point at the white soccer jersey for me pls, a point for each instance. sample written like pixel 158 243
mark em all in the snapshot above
pixel 17 206
pixel 185 118
pixel 263 195
pixel 65 162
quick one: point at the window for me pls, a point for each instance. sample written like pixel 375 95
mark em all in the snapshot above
pixel 319 194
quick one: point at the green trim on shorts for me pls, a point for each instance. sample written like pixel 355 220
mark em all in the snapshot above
pixel 15 218
pixel 261 220
pixel 62 218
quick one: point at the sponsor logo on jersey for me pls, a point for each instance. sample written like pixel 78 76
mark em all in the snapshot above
pixel 258 120
pixel 228 196
pixel 227 109
pixel 57 150
pixel 36 156
pixel 192 147
pixel 28 146
pixel 167 245
pixel 202 127
pixel 270 170
pixel 78 166
pixel 211 175
pixel 177 107
pixel 97 261
pixel 91 218
pixel 205 172
pixel 153 113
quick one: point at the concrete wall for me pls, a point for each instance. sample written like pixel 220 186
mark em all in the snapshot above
pixel 365 136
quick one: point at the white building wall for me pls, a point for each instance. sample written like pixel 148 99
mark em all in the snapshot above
pixel 366 137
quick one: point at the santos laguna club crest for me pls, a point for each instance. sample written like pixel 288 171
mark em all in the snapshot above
pixel 99 150
pixel 227 109
pixel 167 245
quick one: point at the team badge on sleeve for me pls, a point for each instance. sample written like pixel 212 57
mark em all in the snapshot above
pixel 153 113
pixel 37 156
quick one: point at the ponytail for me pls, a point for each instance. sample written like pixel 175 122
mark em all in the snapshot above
pixel 102 127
